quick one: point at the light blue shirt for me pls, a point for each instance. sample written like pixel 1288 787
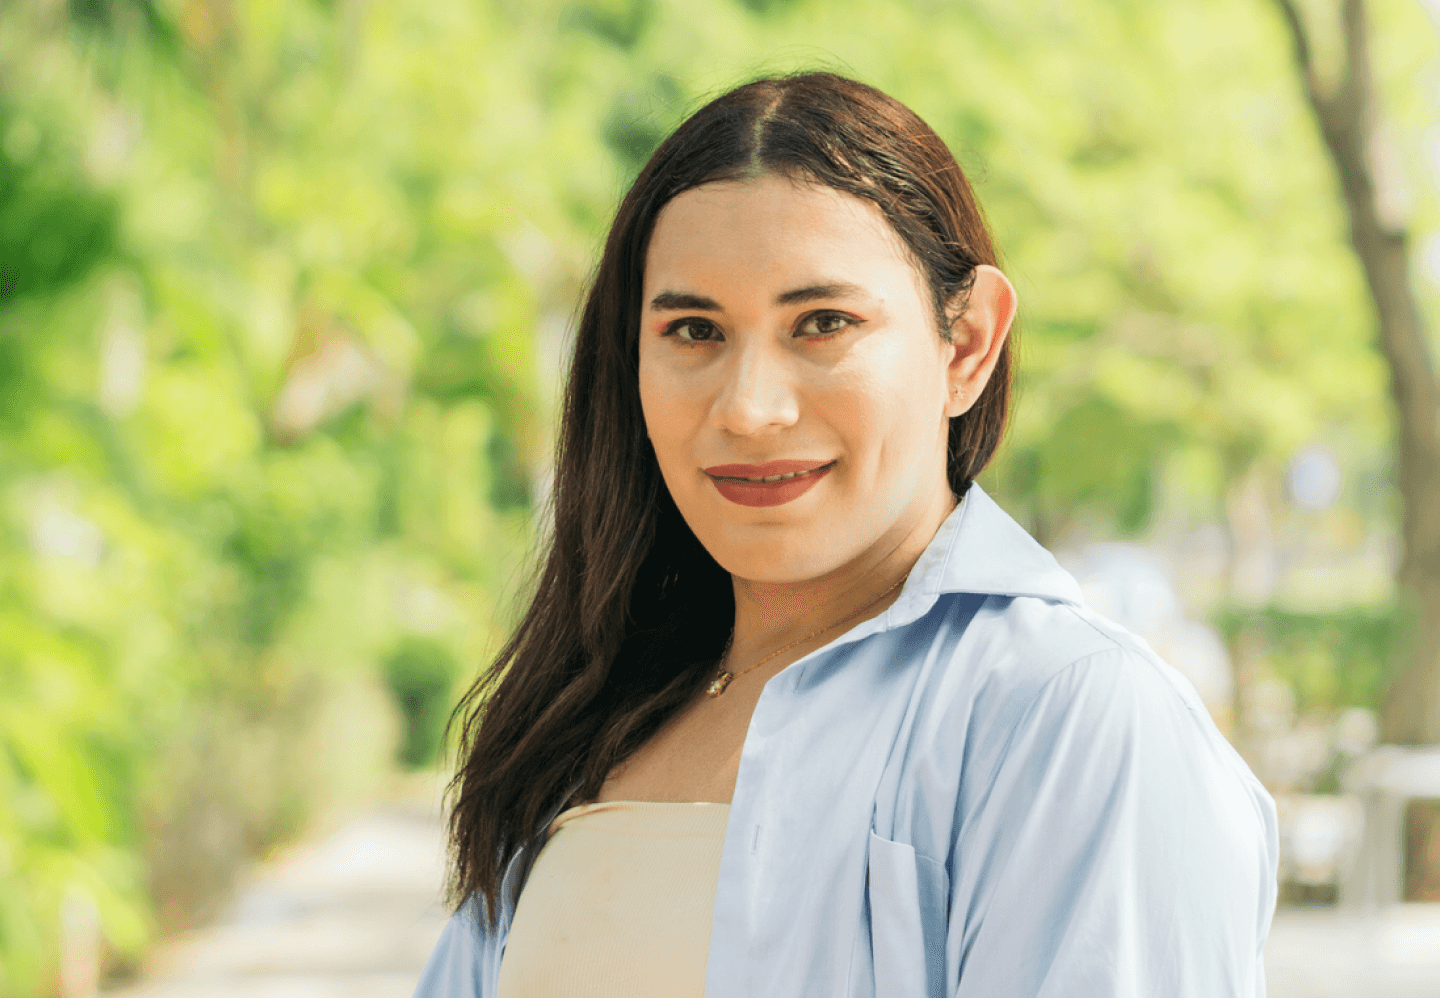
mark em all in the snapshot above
pixel 987 791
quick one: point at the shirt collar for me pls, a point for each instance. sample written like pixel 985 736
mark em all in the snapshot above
pixel 979 548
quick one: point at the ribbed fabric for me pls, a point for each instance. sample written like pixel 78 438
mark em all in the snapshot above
pixel 618 904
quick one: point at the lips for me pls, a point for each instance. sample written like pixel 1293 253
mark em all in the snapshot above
pixel 771 484
pixel 770 469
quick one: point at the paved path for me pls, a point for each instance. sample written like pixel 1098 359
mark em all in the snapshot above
pixel 1323 954
pixel 355 914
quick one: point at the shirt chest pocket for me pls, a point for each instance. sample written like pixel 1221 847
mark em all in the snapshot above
pixel 909 899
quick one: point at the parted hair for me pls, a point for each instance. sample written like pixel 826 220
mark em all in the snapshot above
pixel 629 612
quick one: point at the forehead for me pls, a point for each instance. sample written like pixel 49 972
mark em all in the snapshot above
pixel 773 230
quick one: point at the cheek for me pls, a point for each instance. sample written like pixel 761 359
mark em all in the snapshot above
pixel 664 407
pixel 877 404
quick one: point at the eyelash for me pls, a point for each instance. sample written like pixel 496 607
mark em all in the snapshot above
pixel 673 328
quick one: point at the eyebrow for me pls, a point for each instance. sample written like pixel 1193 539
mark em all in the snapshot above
pixel 676 301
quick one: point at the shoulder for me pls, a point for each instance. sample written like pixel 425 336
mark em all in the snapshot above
pixel 1036 679
pixel 1096 801
pixel 1003 653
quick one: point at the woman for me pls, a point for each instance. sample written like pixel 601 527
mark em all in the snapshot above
pixel 796 709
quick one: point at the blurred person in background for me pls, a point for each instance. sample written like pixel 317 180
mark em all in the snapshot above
pixel 796 708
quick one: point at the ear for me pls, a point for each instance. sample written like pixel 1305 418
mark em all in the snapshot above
pixel 976 335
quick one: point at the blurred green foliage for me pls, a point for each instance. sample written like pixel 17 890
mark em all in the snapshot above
pixel 277 277
pixel 1330 659
pixel 420 673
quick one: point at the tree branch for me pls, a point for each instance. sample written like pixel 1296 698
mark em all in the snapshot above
pixel 1300 40
pixel 1354 101
pixel 1347 121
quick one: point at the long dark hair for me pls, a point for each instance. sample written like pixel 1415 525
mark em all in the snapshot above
pixel 630 612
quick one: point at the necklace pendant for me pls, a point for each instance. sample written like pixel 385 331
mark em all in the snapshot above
pixel 718 686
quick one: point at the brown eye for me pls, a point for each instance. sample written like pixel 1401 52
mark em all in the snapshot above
pixel 823 324
pixel 693 331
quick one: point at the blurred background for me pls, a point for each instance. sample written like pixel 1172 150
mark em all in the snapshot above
pixel 285 295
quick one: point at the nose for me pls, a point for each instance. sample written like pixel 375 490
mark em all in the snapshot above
pixel 757 392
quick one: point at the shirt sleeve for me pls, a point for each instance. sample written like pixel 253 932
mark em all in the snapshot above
pixel 455 969
pixel 1121 848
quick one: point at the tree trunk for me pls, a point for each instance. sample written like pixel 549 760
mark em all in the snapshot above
pixel 1348 119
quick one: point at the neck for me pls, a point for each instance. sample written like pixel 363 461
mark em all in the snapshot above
pixel 770 615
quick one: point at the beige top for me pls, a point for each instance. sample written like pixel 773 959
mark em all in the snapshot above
pixel 618 903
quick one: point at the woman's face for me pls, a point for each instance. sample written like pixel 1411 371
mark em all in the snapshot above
pixel 785 330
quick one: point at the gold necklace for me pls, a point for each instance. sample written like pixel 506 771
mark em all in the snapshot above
pixel 725 678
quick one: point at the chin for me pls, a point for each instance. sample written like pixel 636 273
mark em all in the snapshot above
pixel 774 552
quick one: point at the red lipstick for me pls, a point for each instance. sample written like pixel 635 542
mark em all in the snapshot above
pixel 739 482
